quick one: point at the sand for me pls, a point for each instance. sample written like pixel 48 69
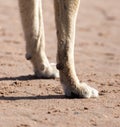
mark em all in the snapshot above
pixel 29 102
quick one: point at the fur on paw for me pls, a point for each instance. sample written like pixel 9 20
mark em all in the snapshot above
pixel 81 91
pixel 47 72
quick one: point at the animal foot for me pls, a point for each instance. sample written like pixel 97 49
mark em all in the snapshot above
pixel 81 91
pixel 47 72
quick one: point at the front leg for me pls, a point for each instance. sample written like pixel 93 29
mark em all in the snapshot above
pixel 66 12
pixel 32 21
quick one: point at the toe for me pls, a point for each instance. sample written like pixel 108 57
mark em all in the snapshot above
pixel 94 93
pixel 54 70
pixel 89 91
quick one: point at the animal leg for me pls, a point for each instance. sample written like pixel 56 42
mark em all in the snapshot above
pixel 66 13
pixel 32 21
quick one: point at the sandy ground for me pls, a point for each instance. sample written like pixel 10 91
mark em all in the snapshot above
pixel 29 102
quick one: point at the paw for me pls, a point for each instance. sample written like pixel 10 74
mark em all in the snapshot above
pixel 81 91
pixel 47 72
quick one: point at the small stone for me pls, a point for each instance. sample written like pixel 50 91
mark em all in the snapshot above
pixel 85 108
pixel 49 112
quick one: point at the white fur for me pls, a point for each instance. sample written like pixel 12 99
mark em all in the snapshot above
pixel 33 26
